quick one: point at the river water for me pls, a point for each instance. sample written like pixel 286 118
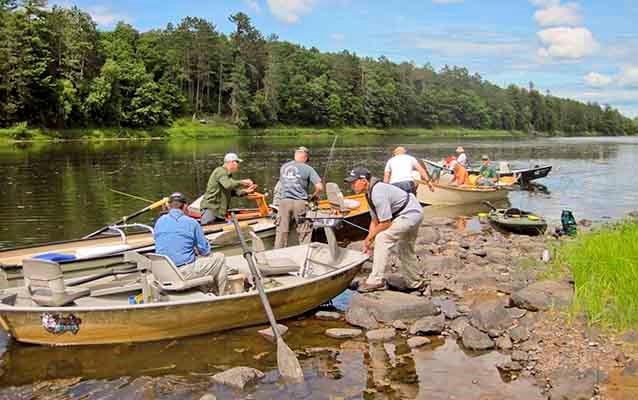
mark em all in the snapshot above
pixel 56 191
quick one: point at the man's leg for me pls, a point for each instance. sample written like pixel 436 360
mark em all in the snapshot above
pixel 283 227
pixel 408 264
pixel 303 228
pixel 384 244
pixel 213 265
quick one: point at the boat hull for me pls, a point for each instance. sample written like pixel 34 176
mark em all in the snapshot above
pixel 152 322
pixel 529 229
pixel 444 195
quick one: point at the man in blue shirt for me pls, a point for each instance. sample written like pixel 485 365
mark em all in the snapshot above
pixel 182 239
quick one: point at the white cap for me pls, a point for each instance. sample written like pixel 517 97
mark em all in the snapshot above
pixel 232 157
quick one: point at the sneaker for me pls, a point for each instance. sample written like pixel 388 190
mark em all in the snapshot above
pixel 367 288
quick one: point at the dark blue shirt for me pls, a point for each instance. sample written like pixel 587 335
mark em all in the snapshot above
pixel 177 235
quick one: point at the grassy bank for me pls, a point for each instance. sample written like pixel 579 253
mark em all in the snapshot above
pixel 186 128
pixel 604 265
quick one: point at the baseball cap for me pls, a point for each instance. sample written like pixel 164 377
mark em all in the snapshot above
pixel 303 148
pixel 177 196
pixel 232 157
pixel 484 157
pixel 357 173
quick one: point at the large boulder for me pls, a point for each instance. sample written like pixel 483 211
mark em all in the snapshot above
pixel 368 309
pixel 543 295
pixel 473 339
pixel 238 377
pixel 428 326
pixel 490 315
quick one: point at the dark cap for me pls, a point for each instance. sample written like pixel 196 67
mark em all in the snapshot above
pixel 484 157
pixel 303 148
pixel 357 173
pixel 177 196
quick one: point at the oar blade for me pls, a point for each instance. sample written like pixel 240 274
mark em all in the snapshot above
pixel 287 362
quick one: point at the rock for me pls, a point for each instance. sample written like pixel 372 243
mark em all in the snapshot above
pixel 238 377
pixel 543 295
pixel 208 396
pixel 632 214
pixel 490 315
pixel 631 369
pixel 438 221
pixel 447 306
pixel 516 313
pixel 503 343
pixel 441 264
pixel 519 356
pixel 399 325
pixel 428 326
pixel 391 352
pixel 572 385
pixel 328 315
pixel 585 222
pixel 497 256
pixel 320 350
pixel 493 333
pixel 381 335
pixel 631 336
pixel 519 334
pixel 474 339
pixel 428 235
pixel 418 341
pixel 396 281
pixel 268 333
pixel 459 325
pixel 510 366
pixel 366 310
pixel 343 333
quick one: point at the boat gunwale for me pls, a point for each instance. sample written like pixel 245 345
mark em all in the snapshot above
pixel 13 309
pixel 472 171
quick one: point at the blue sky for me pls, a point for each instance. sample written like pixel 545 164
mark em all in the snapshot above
pixel 587 50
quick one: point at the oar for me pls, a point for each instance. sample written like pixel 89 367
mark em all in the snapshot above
pixel 122 220
pixel 287 362
pixel 490 205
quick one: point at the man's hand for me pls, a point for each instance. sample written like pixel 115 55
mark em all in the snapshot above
pixel 367 246
pixel 430 186
pixel 251 188
pixel 246 182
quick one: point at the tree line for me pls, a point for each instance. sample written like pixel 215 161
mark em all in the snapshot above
pixel 58 70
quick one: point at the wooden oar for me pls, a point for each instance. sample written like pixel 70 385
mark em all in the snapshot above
pixel 490 205
pixel 287 362
pixel 123 220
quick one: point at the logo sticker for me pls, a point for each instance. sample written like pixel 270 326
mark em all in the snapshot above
pixel 57 324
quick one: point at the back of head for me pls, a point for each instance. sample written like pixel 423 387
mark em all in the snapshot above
pixel 399 150
pixel 177 200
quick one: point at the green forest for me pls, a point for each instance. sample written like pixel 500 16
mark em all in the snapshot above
pixel 58 71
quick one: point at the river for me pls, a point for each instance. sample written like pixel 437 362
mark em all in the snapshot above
pixel 53 191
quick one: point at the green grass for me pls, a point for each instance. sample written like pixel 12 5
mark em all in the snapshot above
pixel 604 265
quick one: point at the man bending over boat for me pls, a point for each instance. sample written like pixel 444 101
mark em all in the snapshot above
pixel 394 226
pixel 181 238
pixel 221 188
pixel 399 171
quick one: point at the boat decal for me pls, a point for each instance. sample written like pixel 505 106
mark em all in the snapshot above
pixel 57 324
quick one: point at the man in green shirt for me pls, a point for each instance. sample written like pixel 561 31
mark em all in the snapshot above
pixel 221 187
pixel 487 173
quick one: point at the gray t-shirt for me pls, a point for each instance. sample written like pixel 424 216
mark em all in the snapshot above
pixel 295 178
pixel 388 199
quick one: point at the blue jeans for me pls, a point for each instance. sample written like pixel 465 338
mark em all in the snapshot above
pixel 406 186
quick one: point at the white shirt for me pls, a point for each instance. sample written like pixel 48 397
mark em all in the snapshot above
pixel 401 167
pixel 462 159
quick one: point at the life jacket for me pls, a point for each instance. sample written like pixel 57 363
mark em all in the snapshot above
pixel 373 182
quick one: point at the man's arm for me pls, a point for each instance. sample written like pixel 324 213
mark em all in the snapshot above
pixel 202 246
pixel 318 190
pixel 386 177
pixel 229 183
pixel 376 227
pixel 424 174
pixel 315 179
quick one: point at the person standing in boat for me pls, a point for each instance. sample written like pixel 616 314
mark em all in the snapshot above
pixel 221 188
pixel 400 169
pixel 461 157
pixel 394 226
pixel 181 238
pixel 487 173
pixel 294 180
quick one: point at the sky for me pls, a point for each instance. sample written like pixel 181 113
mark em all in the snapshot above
pixel 586 50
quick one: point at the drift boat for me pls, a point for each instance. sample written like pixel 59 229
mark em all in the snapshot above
pixel 51 312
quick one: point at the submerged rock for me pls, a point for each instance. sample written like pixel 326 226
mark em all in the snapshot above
pixel 543 295
pixel 474 339
pixel 268 333
pixel 343 333
pixel 381 335
pixel 238 377
pixel 368 309
pixel 428 326
pixel 418 341
pixel 569 384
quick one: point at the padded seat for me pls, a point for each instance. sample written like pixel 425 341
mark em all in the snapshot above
pixel 269 265
pixel 169 278
pixel 336 199
pixel 45 284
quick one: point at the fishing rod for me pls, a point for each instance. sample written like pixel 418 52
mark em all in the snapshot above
pixel 330 154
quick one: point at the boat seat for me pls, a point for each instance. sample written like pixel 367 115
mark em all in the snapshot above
pixel 98 251
pixel 336 199
pixel 45 284
pixel 269 265
pixel 169 278
pixel 108 291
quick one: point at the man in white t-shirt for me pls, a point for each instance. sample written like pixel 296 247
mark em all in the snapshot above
pixel 400 168
pixel 461 157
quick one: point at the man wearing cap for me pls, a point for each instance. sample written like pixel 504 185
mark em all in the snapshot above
pixel 221 188
pixel 396 217
pixel 181 238
pixel 487 173
pixel 295 178
pixel 399 171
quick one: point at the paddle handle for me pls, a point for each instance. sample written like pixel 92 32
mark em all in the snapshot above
pixel 248 255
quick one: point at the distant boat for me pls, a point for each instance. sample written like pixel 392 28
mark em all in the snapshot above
pixel 525 175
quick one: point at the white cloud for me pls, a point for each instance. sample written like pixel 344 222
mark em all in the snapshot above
pixel 447 1
pixel 545 3
pixel 253 5
pixel 460 44
pixel 289 11
pixel 559 15
pixel 106 17
pixel 567 43
pixel 628 77
pixel 594 79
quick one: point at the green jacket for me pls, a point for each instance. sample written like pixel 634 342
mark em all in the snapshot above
pixel 219 190
pixel 487 172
